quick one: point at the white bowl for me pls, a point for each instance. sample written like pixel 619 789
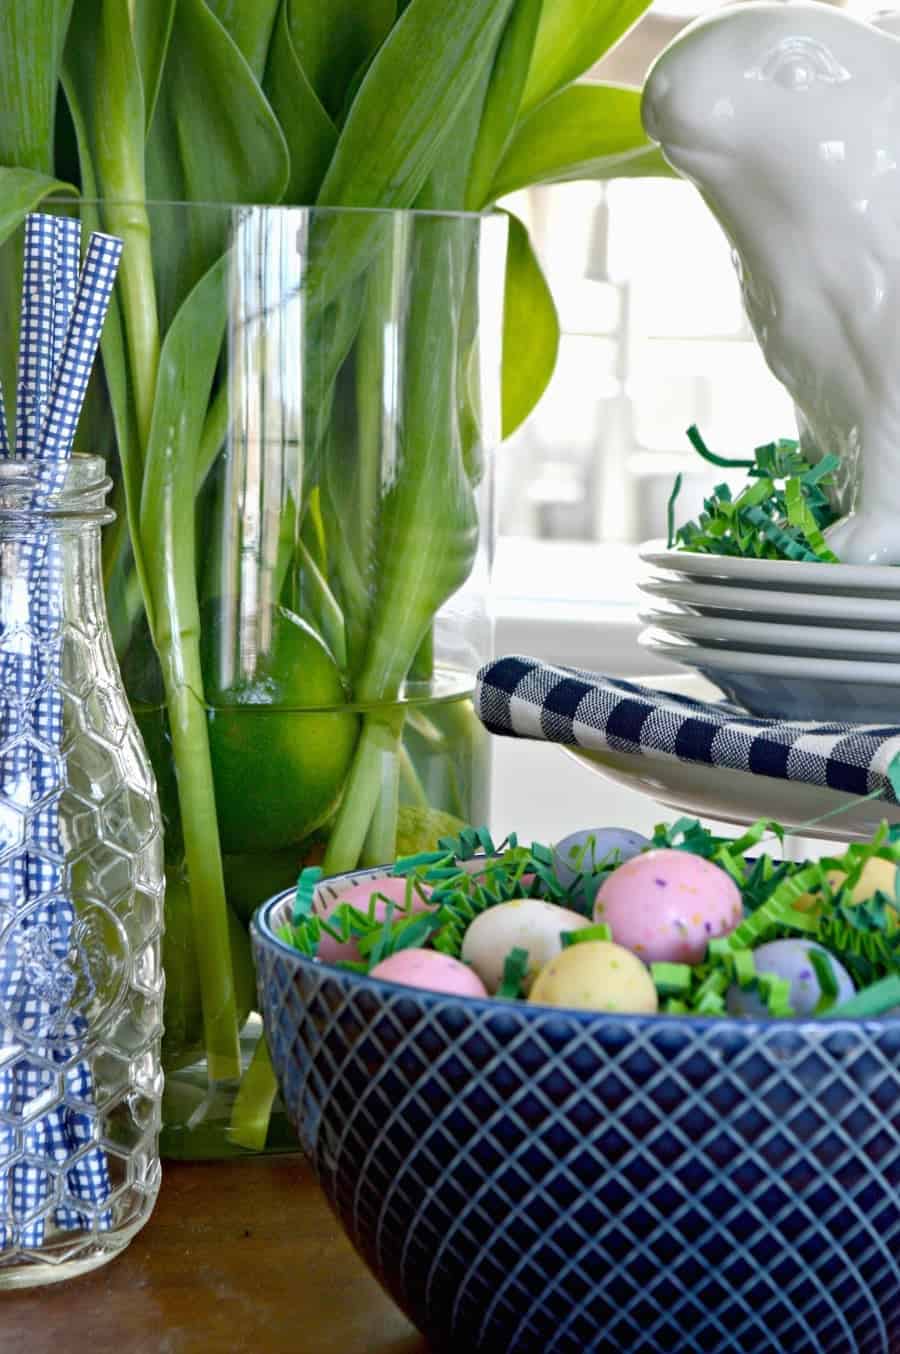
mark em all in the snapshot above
pixel 710 597
pixel 732 795
pixel 875 580
pixel 780 686
pixel 776 636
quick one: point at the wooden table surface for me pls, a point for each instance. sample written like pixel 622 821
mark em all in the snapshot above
pixel 239 1258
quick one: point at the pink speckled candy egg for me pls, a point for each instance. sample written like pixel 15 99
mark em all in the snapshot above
pixel 429 969
pixel 666 906
pixel 332 951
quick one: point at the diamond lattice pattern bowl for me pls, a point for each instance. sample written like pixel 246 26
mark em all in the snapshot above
pixel 521 1178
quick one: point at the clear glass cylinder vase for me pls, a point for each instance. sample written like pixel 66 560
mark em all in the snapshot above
pixel 314 534
pixel 81 898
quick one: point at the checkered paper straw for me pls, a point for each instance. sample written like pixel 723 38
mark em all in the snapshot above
pixel 49 282
pixel 5 448
pixel 79 349
pixel 61 323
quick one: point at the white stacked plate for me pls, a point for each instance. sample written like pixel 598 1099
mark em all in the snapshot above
pixel 783 639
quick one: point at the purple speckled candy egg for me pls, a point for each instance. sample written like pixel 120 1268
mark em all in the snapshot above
pixel 788 959
pixel 666 906
pixel 429 969
pixel 332 951
pixel 605 841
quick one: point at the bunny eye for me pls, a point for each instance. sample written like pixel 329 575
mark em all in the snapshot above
pixel 798 64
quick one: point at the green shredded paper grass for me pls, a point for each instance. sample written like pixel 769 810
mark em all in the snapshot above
pixel 782 513
pixel 469 874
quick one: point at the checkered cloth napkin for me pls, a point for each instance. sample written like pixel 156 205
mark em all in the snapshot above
pixel 524 698
pixel 41 1032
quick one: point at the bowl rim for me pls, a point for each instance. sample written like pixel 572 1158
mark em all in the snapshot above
pixel 261 924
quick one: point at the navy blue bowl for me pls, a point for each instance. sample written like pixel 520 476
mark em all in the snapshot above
pixel 522 1178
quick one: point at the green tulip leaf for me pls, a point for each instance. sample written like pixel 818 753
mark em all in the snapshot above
pixel 152 28
pixel 21 191
pixel 432 63
pixel 573 36
pixel 423 74
pixel 334 40
pixel 530 330
pixel 32 38
pixel 79 87
pixel 446 187
pixel 585 132
pixel 311 135
pixel 250 23
pixel 187 366
pixel 214 139
pixel 504 97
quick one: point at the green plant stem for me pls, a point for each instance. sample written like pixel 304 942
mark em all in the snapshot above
pixel 115 537
pixel 138 295
pixel 372 427
pixel 119 131
pixel 324 611
pixel 426 541
pixel 190 747
pixel 375 754
pixel 168 531
pixel 410 781
pixel 252 1107
pixel 215 430
pixel 427 730
pixel 380 845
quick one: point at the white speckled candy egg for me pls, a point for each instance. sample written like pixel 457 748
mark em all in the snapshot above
pixel 596 976
pixel 524 923
pixel 606 840
pixel 667 905
pixel 429 969
pixel 788 959
pixel 332 951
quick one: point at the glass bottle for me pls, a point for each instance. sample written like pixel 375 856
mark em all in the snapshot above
pixel 81 891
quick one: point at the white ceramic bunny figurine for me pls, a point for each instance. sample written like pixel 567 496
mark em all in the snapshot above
pixel 787 119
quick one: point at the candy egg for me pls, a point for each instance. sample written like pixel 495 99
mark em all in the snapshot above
pixel 876 874
pixel 524 923
pixel 667 905
pixel 788 959
pixel 332 951
pixel 578 847
pixel 429 969
pixel 596 976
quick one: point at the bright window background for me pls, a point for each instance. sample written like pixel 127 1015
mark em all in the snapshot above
pixel 653 340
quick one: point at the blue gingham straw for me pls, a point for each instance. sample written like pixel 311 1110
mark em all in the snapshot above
pixel 62 316
pixel 4 429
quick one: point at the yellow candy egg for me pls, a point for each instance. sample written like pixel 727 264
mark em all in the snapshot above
pixel 524 923
pixel 876 874
pixel 596 976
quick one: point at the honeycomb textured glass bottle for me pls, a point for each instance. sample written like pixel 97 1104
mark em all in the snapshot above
pixel 81 887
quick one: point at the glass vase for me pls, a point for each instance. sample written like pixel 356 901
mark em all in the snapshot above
pixel 314 533
pixel 81 893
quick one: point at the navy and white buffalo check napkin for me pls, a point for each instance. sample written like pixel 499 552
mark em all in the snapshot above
pixel 525 698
